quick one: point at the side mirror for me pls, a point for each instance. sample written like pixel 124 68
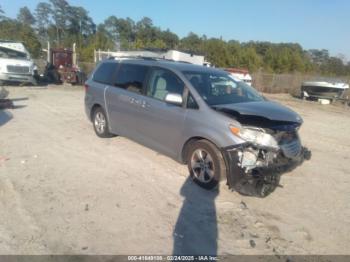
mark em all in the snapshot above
pixel 173 98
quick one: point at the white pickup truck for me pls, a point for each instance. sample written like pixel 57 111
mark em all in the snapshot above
pixel 242 74
pixel 16 64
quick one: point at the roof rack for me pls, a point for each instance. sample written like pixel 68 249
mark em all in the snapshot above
pixel 141 57
pixel 147 58
pixel 131 57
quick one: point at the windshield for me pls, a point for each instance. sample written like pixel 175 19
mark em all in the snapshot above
pixel 217 88
pixel 12 54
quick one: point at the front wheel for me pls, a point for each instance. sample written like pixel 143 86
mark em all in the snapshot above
pixel 34 82
pixel 100 123
pixel 205 164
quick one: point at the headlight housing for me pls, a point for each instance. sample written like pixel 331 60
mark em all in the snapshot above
pixel 255 136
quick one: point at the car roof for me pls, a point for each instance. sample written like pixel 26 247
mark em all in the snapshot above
pixel 168 64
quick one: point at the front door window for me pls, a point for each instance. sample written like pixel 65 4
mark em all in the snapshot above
pixel 163 82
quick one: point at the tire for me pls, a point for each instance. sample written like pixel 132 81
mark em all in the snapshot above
pixel 55 77
pixel 34 82
pixel 78 80
pixel 100 123
pixel 205 164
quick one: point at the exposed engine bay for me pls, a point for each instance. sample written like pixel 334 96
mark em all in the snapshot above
pixel 272 147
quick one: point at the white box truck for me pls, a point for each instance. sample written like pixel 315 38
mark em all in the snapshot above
pixel 16 64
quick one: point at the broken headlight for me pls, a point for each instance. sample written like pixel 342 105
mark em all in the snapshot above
pixel 255 136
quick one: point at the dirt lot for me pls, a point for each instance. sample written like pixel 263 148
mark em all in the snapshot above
pixel 65 191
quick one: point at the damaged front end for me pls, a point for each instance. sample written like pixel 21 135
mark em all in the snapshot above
pixel 254 168
pixel 271 146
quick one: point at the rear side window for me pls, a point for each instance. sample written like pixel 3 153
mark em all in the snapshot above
pixel 105 73
pixel 131 77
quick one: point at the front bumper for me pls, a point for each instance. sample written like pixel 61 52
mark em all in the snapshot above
pixel 11 77
pixel 259 180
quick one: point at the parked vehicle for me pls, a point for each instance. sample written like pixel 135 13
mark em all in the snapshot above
pixel 220 127
pixel 330 90
pixel 16 64
pixel 62 66
pixel 242 74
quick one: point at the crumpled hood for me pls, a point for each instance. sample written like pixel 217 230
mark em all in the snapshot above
pixel 266 109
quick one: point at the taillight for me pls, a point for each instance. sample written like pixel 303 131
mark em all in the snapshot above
pixel 86 87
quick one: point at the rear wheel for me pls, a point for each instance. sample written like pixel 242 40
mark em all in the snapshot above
pixel 100 123
pixel 205 164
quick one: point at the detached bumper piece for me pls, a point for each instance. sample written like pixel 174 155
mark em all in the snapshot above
pixel 256 171
pixel 6 103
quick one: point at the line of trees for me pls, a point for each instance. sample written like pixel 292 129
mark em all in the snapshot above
pixel 62 25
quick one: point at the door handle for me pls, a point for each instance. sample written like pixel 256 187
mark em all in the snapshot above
pixel 135 101
pixel 144 104
pixel 138 102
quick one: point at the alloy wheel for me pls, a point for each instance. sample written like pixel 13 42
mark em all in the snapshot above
pixel 202 165
pixel 100 122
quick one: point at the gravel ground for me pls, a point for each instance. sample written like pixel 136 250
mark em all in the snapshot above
pixel 63 190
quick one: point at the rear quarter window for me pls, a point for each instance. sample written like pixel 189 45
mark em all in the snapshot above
pixel 105 73
pixel 131 77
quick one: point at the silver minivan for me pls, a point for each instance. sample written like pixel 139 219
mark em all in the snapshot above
pixel 219 126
